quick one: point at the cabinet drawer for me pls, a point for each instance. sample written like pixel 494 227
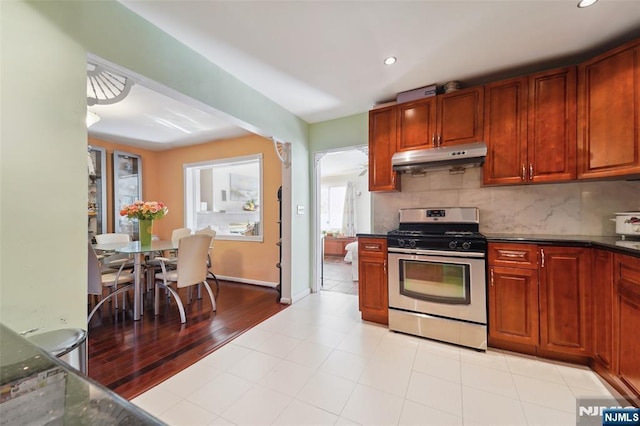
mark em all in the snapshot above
pixel 372 247
pixel 513 255
pixel 627 272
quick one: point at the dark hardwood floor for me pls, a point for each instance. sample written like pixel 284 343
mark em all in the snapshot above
pixel 130 357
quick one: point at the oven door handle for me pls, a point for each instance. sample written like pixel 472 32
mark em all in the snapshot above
pixel 437 253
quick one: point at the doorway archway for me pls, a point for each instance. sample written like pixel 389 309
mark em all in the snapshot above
pixel 342 209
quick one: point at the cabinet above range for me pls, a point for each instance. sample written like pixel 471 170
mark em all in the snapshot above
pixel 560 125
pixel 448 119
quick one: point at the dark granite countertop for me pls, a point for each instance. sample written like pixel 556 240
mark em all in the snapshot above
pixel 36 388
pixel 371 235
pixel 614 243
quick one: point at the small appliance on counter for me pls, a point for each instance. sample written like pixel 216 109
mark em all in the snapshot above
pixel 627 224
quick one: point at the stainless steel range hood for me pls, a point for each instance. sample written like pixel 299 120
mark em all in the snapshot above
pixel 442 158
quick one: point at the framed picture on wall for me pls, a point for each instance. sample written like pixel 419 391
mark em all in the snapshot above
pixel 243 188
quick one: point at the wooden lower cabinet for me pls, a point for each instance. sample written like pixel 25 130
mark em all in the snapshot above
pixel 513 294
pixel 572 303
pixel 603 295
pixel 626 318
pixel 373 293
pixel 542 306
pixel 565 301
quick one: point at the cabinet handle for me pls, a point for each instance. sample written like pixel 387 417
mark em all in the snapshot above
pixel 512 254
pixel 542 252
pixel 385 267
pixel 524 171
pixel 439 140
pixel 531 171
pixel 491 277
pixel 433 140
pixel 371 247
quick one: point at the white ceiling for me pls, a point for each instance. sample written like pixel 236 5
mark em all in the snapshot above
pixel 324 59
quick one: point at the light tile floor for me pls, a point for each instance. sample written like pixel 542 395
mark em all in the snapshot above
pixel 337 276
pixel 318 363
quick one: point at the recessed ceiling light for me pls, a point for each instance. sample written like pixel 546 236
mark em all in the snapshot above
pixel 390 60
pixel 586 3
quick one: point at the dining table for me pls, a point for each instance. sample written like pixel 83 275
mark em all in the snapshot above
pixel 138 252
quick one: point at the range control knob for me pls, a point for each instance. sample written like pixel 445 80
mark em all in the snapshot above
pixel 412 243
pixel 453 244
pixel 401 242
pixel 466 245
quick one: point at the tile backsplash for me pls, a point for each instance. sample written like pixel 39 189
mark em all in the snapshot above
pixel 576 208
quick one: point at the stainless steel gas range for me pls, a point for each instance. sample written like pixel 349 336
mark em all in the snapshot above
pixel 437 281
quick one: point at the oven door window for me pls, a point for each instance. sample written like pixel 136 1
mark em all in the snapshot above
pixel 435 281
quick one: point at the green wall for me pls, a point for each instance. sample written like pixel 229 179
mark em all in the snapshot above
pixel 43 169
pixel 43 146
pixel 342 132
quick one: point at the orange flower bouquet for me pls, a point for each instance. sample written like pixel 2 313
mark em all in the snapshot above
pixel 144 210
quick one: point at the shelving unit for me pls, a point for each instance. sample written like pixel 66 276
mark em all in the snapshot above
pixel 97 192
pixel 279 244
pixel 127 188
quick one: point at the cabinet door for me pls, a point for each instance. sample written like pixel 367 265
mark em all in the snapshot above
pixel 551 126
pixel 626 320
pixel 565 301
pixel 460 117
pixel 416 124
pixel 373 293
pixel 609 113
pixel 603 296
pixel 382 146
pixel 513 306
pixel 505 132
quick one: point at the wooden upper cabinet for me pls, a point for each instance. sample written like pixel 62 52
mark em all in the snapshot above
pixel 609 113
pixel 530 128
pixel 551 135
pixel 382 146
pixel 505 132
pixel 450 119
pixel 416 124
pixel 460 117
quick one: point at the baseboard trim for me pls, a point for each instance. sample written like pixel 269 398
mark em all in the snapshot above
pixel 297 297
pixel 247 281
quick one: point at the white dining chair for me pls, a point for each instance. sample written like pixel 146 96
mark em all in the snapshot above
pixel 210 274
pixel 191 270
pixel 97 280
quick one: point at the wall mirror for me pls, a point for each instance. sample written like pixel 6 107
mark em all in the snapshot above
pixel 225 194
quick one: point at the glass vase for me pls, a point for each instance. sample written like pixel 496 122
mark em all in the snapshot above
pixel 146 230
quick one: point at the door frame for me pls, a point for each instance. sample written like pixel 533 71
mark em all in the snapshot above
pixel 317 251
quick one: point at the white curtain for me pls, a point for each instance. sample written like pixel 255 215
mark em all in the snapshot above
pixel 349 211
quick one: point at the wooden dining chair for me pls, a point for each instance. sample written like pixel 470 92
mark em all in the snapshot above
pixel 191 270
